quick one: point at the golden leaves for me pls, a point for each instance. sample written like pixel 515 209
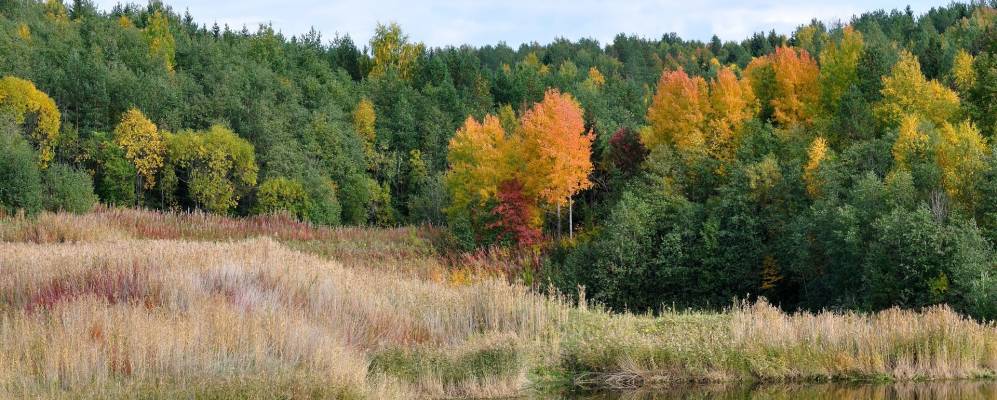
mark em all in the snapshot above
pixel 963 74
pixel 699 119
pixel 31 107
pixel 142 143
pixel 815 155
pixel 678 113
pixel 906 91
pixel 797 89
pixel 392 49
pixel 162 46
pixel 364 120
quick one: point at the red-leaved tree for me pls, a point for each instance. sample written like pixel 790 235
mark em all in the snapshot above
pixel 515 215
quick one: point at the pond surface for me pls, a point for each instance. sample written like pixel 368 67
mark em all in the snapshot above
pixel 969 390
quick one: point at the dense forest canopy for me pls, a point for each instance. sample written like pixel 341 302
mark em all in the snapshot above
pixel 844 166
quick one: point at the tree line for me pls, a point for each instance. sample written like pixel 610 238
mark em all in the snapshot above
pixel 842 166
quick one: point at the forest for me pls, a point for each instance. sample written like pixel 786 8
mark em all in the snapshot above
pixel 846 166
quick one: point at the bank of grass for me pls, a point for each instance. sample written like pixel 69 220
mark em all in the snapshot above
pixel 120 302
pixel 758 342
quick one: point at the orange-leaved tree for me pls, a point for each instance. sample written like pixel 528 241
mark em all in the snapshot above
pixel 786 82
pixel 797 89
pixel 678 113
pixel 555 149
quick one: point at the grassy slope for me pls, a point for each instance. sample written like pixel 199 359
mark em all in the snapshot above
pixel 123 301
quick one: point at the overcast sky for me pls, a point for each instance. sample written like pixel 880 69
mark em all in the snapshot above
pixel 455 22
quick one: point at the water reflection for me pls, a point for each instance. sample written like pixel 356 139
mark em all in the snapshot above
pixel 975 390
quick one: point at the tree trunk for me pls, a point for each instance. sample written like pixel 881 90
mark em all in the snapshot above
pixel 571 221
pixel 558 220
pixel 138 189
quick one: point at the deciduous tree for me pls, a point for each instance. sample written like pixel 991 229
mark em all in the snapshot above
pixel 162 45
pixel 556 149
pixel 906 91
pixel 732 102
pixel 34 112
pixel 677 114
pixel 839 68
pixel 143 145
pixel 797 89
pixel 392 49
pixel 478 162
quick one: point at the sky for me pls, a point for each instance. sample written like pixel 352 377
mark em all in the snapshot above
pixel 477 22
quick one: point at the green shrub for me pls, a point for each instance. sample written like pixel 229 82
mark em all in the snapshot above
pixel 20 179
pixel 67 189
pixel 324 208
pixel 282 195
pixel 115 178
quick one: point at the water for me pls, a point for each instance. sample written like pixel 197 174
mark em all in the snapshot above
pixel 968 390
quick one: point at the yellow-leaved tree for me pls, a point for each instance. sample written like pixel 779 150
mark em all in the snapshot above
pixel 162 45
pixel 34 112
pixel 392 49
pixel 143 145
pixel 963 73
pixel 732 102
pixel 478 162
pixel 677 114
pixel 595 78
pixel 699 119
pixel 907 92
pixel 364 120
pixel 217 166
pixel 961 157
pixel 839 68
pixel 817 153
pixel 958 150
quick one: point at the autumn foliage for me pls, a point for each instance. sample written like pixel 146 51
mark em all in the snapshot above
pixel 555 147
pixel 545 161
pixel 697 118
pixel 678 112
pixel 515 215
pixel 35 112
pixel 789 80
pixel 143 145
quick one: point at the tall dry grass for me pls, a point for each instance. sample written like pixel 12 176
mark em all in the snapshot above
pixel 759 342
pixel 407 249
pixel 93 316
pixel 125 302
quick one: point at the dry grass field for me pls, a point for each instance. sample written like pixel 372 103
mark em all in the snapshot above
pixel 127 303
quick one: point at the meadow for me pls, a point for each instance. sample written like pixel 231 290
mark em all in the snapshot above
pixel 129 303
